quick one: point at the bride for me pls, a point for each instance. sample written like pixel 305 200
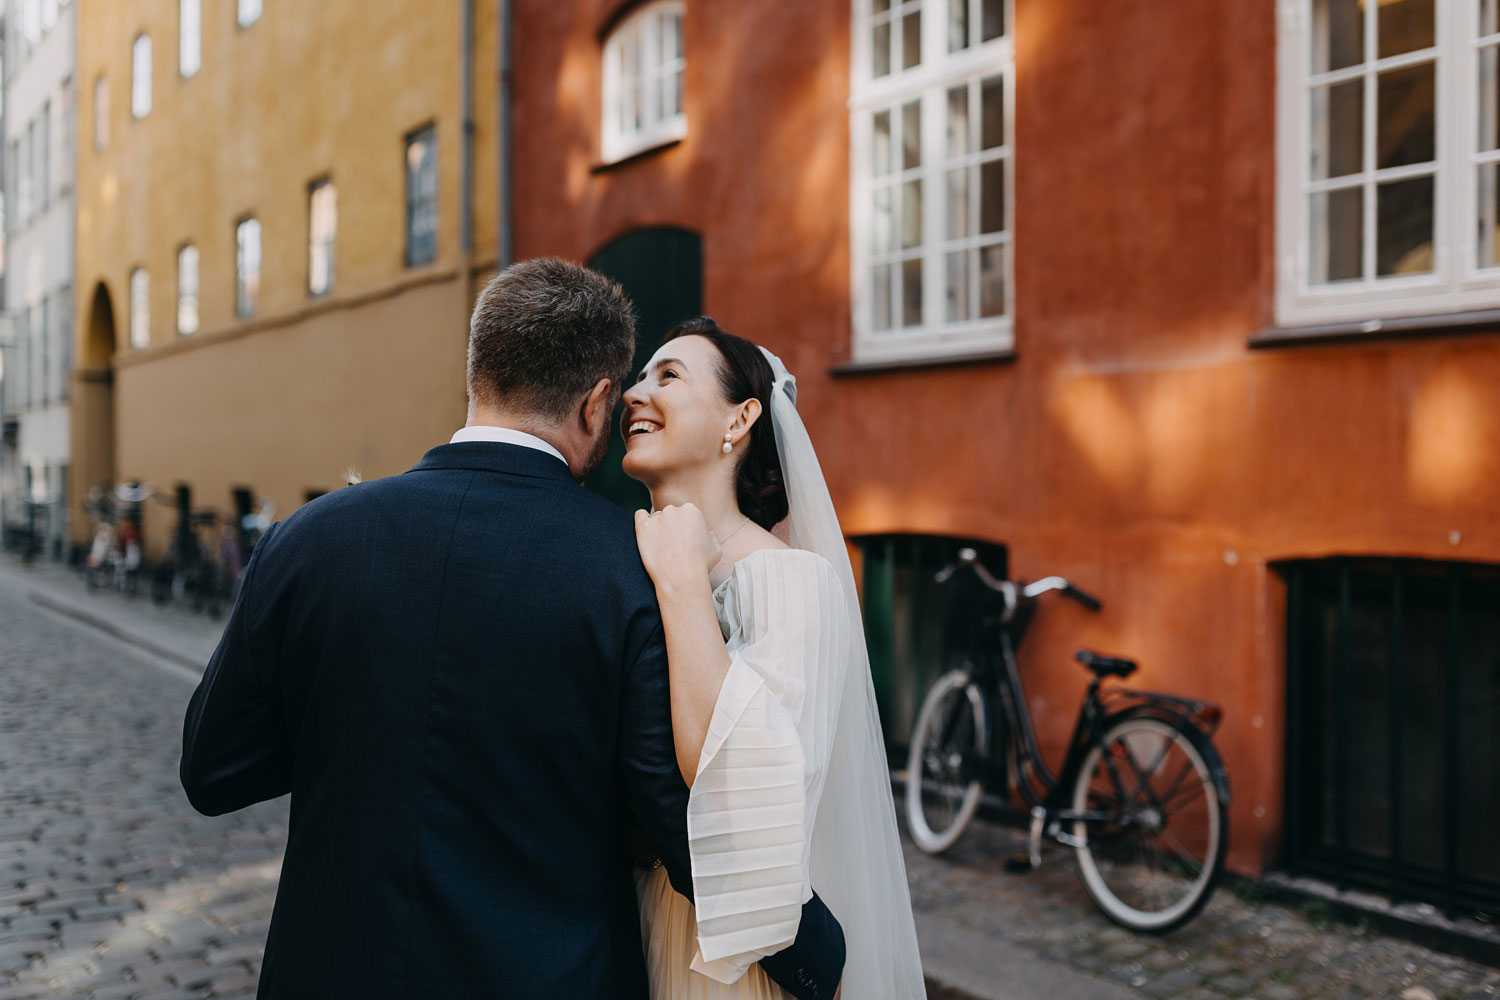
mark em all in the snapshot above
pixel 773 709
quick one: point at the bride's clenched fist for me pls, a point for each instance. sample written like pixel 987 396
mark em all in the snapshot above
pixel 676 545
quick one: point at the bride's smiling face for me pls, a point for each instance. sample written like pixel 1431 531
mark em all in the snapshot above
pixel 675 414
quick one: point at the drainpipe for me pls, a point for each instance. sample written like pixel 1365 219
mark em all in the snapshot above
pixel 466 159
pixel 503 232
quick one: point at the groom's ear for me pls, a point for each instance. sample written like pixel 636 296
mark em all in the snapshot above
pixel 598 405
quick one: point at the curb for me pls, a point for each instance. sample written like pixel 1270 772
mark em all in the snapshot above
pixel 110 628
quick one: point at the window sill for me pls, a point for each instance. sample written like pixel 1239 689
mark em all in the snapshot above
pixel 844 368
pixel 639 154
pixel 1433 324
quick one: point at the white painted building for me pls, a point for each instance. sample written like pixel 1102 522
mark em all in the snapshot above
pixel 39 135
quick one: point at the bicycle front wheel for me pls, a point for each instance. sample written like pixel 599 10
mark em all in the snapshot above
pixel 942 768
pixel 1152 826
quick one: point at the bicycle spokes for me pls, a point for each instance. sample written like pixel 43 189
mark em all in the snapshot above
pixel 1150 818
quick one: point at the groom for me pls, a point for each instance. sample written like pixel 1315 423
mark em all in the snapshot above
pixel 459 674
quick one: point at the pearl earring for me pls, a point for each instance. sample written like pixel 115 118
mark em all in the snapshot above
pixel 727 446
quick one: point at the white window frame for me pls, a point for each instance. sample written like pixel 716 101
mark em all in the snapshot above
pixel 189 278
pixel 935 338
pixel 320 241
pixel 140 76
pixel 140 309
pixel 189 37
pixel 1456 283
pixel 247 251
pixel 617 141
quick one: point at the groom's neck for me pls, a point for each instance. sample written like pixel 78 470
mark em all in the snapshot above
pixel 489 416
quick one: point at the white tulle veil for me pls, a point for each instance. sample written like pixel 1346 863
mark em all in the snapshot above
pixel 857 865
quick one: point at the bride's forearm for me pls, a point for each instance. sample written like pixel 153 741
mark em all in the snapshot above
pixel 697 663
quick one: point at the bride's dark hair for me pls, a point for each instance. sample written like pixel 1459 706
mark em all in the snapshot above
pixel 744 373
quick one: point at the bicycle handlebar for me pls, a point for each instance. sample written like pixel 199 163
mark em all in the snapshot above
pixel 969 557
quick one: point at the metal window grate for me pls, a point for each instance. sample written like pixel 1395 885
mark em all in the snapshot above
pixel 1393 728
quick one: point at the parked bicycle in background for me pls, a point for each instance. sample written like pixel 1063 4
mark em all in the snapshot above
pixel 1142 795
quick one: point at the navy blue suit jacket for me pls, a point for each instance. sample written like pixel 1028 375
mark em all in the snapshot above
pixel 460 676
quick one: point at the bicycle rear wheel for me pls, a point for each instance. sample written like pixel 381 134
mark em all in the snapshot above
pixel 1155 831
pixel 942 767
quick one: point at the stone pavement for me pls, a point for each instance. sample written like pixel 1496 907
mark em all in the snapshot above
pixel 111 887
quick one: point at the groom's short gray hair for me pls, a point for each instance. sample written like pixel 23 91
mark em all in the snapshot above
pixel 544 332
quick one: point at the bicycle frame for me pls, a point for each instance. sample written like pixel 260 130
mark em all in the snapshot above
pixel 1045 792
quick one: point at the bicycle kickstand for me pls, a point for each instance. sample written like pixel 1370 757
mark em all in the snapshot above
pixel 1020 864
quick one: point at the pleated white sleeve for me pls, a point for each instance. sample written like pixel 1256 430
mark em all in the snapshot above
pixel 753 801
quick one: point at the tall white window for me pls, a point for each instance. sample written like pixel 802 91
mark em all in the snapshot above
pixel 322 227
pixel 421 197
pixel 932 146
pixel 140 309
pixel 101 114
pixel 643 70
pixel 44 152
pixel 246 266
pixel 140 77
pixel 187 290
pixel 189 36
pixel 247 12
pixel 1388 186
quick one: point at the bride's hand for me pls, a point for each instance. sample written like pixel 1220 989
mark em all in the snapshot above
pixel 676 545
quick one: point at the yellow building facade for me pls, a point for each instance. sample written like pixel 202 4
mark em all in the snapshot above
pixel 278 383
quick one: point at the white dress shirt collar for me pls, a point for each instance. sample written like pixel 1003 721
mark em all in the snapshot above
pixel 505 435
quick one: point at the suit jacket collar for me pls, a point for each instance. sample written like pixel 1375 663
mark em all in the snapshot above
pixel 495 456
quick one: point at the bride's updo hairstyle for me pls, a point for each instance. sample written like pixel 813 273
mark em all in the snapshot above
pixel 744 373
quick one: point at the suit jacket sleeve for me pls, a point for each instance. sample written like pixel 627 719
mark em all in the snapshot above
pixel 812 965
pixel 235 750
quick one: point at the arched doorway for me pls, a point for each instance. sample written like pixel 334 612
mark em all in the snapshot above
pixel 661 269
pixel 93 400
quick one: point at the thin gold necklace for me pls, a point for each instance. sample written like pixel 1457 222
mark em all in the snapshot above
pixel 736 531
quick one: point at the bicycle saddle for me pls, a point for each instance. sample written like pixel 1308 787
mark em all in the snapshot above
pixel 1103 665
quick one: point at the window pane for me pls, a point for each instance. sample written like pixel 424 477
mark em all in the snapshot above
pixel 882 5
pixel 140 309
pixel 1338 34
pixel 1405 130
pixel 140 77
pixel 881 229
pixel 1404 26
pixel 911 39
pixel 880 297
pixel 911 292
pixel 1489 216
pixel 882 144
pixel 911 135
pixel 187 290
pixel 881 49
pixel 188 37
pixel 1403 227
pixel 959 141
pixel 958 25
pixel 911 214
pixel 1489 16
pixel 1338 129
pixel 992 197
pixel 1337 235
pixel 992 13
pixel 249 12
pixel 992 112
pixel 956 286
pixel 1489 97
pixel 958 214
pixel 992 281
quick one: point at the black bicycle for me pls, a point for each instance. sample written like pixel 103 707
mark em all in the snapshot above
pixel 1142 796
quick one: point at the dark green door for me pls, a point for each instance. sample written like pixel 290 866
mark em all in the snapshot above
pixel 661 269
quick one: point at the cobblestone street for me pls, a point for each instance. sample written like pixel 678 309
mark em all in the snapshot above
pixel 113 888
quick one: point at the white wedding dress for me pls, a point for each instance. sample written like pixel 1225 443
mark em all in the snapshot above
pixel 760 777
